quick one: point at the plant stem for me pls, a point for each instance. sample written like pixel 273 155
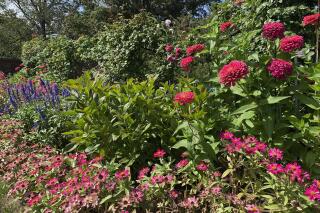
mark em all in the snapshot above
pixel 317 44
pixel 317 36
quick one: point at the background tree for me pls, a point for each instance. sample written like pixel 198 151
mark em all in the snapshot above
pixel 160 8
pixel 14 32
pixel 45 16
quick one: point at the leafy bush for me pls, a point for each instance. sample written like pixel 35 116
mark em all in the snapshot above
pixel 130 49
pixel 139 117
pixel 56 53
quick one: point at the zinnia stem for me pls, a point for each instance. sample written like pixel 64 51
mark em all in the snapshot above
pixel 317 35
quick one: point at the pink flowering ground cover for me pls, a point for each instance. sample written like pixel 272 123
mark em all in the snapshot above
pixel 45 179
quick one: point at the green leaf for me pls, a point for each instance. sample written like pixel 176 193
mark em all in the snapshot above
pixel 276 99
pixel 245 108
pixel 309 101
pixel 273 207
pixel 105 199
pixel 183 143
pixel 181 126
pixel 226 173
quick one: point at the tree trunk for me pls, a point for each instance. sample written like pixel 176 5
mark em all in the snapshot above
pixel 43 28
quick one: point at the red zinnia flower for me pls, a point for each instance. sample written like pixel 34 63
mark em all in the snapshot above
pixel 185 63
pixel 280 69
pixel 160 153
pixel 184 98
pixel 225 26
pixel 168 48
pixel 178 52
pixel 233 72
pixel 311 19
pixel 195 49
pixel 273 30
pixel 291 43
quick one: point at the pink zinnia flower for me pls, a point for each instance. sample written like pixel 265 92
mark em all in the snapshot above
pixel 275 168
pixel 202 166
pixel 252 209
pixel 34 200
pixel 312 193
pixel 182 163
pixel 168 48
pixel 171 58
pixel 184 98
pixel 186 62
pixel 102 176
pixel 143 172
pixel 157 179
pixel 160 153
pixel 122 174
pixel 291 43
pixel 191 202
pixel 225 26
pixel 261 147
pixel 280 69
pixel 233 72
pixel 195 49
pixel 173 194
pixel 311 19
pixel 273 30
pixel 226 135
pixel 275 154
pixel 216 190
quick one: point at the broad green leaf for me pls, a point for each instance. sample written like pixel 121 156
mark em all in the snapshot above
pixel 276 99
pixel 309 101
pixel 183 143
pixel 226 173
pixel 245 108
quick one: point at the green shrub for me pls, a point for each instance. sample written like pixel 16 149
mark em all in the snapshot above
pixel 58 54
pixel 32 52
pixel 112 119
pixel 129 48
